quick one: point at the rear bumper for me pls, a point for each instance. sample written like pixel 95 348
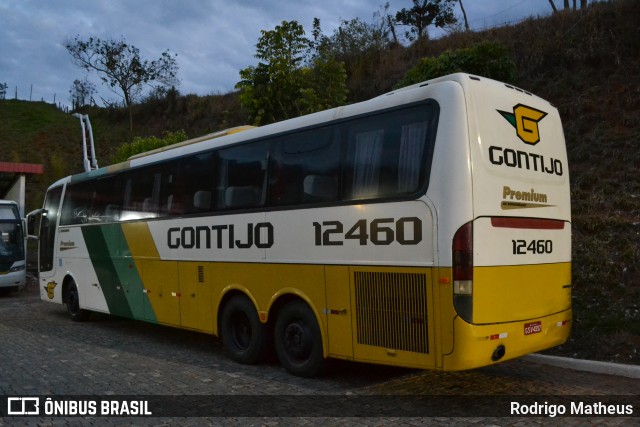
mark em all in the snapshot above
pixel 477 345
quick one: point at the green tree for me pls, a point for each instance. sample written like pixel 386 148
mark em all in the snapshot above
pixel 366 50
pixel 356 37
pixel 289 79
pixel 325 85
pixel 423 14
pixel 120 66
pixel 81 93
pixel 3 90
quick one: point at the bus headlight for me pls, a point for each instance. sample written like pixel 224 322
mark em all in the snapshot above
pixel 15 269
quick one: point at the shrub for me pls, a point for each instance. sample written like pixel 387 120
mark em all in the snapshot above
pixel 142 145
pixel 488 59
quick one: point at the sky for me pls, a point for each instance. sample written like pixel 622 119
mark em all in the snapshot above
pixel 214 39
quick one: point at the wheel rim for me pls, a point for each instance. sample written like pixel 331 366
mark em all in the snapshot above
pixel 241 331
pixel 297 341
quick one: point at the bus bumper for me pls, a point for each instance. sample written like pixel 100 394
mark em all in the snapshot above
pixel 12 279
pixel 481 345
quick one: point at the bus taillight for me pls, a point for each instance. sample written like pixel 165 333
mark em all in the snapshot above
pixel 463 271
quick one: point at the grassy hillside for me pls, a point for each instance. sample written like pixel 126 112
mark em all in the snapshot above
pixel 36 132
pixel 587 63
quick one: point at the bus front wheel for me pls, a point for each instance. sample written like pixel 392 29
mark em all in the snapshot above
pixel 298 340
pixel 242 333
pixel 73 304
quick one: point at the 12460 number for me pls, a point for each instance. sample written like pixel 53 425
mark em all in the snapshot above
pixel 381 231
pixel 522 247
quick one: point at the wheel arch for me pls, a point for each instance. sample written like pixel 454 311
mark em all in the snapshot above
pixel 66 283
pixel 227 294
pixel 285 296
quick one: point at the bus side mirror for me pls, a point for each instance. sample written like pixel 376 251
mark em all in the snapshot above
pixel 32 217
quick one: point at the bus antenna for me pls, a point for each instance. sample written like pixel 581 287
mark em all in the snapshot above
pixel 88 153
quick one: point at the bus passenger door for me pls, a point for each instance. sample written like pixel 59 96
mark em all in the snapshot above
pixel 49 288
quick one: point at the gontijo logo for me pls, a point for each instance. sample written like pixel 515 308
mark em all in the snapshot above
pixel 525 119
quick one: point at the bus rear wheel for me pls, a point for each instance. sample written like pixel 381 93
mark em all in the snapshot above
pixel 243 335
pixel 73 304
pixel 298 340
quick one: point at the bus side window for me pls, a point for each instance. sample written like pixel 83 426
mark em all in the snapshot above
pixel 412 146
pixel 192 190
pixel 202 200
pixel 305 168
pixel 243 176
pixel 366 157
pixel 139 202
pixel 146 192
pixel 107 199
pixel 386 157
pixel 75 209
pixel 318 188
pixel 166 196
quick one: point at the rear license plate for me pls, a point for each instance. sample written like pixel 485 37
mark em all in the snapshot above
pixel 533 328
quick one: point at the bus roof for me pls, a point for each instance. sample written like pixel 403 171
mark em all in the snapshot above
pixel 206 137
pixel 463 79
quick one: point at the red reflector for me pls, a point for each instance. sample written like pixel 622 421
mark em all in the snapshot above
pixel 531 223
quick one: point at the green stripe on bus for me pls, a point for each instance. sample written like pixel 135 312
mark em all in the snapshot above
pixel 118 276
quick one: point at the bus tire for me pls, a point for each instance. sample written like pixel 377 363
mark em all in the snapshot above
pixel 72 299
pixel 298 340
pixel 243 335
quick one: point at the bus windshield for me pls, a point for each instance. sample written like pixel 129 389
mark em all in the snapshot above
pixel 11 239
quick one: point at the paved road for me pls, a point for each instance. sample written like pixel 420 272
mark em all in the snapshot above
pixel 44 354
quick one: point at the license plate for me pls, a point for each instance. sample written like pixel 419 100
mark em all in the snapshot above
pixel 533 328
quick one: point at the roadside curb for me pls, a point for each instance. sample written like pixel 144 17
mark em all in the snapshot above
pixel 608 368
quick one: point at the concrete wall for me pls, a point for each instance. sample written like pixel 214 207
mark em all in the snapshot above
pixel 17 193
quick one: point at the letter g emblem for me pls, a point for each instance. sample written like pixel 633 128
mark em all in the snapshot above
pixel 525 119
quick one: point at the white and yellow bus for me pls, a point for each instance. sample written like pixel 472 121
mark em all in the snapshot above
pixel 428 227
